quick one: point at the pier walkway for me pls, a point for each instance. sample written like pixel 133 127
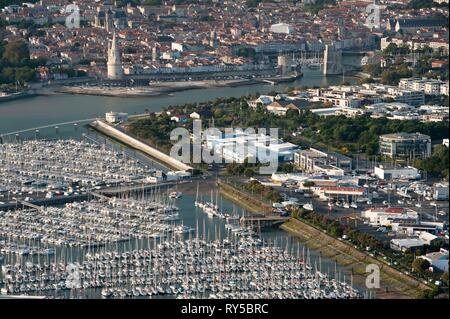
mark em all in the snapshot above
pixel 261 221
pixel 45 126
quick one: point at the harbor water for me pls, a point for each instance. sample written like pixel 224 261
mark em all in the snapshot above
pixel 46 110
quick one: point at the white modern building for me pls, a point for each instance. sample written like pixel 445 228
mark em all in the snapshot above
pixel 396 172
pixel 386 216
pixel 282 28
pixel 403 244
pixel 331 192
pixel 239 146
pixel 428 86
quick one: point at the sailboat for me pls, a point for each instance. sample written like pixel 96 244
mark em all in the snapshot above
pixel 308 206
pixel 175 195
pixel 197 203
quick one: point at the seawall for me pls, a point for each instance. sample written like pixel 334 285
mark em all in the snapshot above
pixel 141 146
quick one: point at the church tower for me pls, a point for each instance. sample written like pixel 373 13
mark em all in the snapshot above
pixel 115 71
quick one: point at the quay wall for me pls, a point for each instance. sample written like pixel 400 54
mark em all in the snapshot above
pixel 393 283
pixel 131 141
pixel 243 199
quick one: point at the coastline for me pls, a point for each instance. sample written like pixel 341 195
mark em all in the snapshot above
pixel 16 96
pixel 156 89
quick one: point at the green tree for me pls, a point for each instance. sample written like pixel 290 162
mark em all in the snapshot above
pixel 420 265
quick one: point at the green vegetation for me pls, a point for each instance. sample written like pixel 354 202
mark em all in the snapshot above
pixel 155 129
pixel 399 68
pixel 266 192
pixel 318 5
pixel 420 265
pixel 247 200
pixel 361 133
pixel 437 164
pixel 347 135
pixel 392 76
pixel 286 167
pixel 334 228
pixel 152 2
pixel 15 63
pixel 394 49
pixel 206 18
pixel 423 4
pixel 252 3
pixel 246 52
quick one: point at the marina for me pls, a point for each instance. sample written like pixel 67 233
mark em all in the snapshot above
pixel 46 169
pixel 141 244
pixel 194 268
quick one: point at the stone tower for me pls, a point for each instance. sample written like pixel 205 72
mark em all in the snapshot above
pixel 115 71
pixel 332 61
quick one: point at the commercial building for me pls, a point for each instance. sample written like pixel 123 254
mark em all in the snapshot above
pixel 396 172
pixel 312 159
pixel 404 244
pixel 415 228
pixel 416 98
pixel 385 216
pixel 440 191
pixel 330 192
pixel 239 146
pixel 438 260
pixel 405 145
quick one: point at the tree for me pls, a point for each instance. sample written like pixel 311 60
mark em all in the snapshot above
pixel 16 53
pixel 292 113
pixel 308 184
pixel 287 167
pixel 249 172
pixel 152 2
pixel 444 277
pixel 420 265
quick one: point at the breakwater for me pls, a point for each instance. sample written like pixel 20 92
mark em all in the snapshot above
pixel 128 140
